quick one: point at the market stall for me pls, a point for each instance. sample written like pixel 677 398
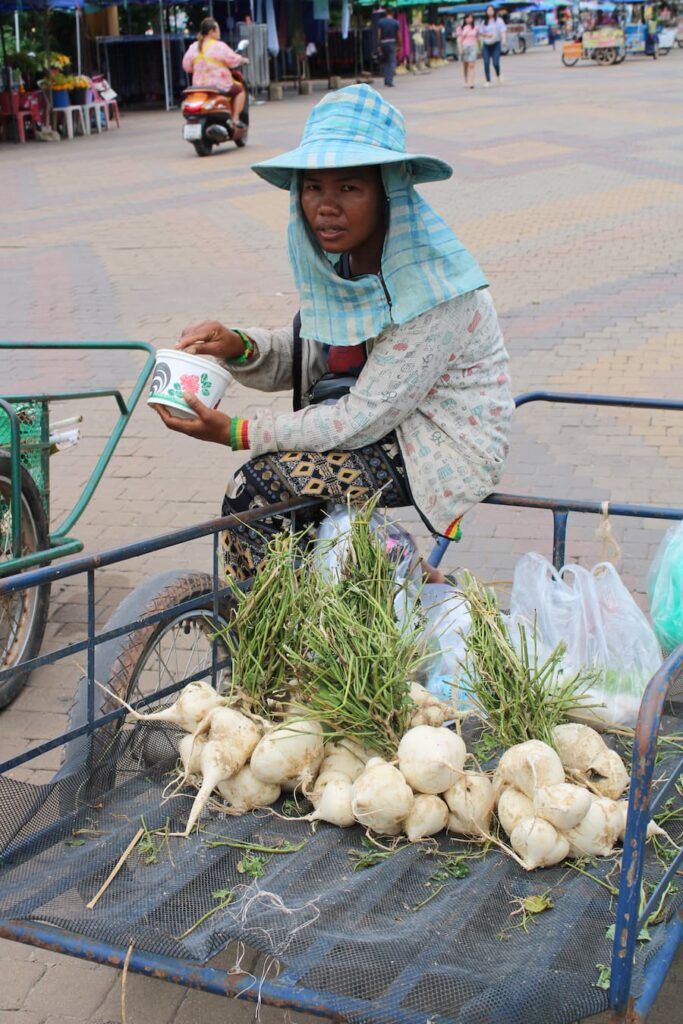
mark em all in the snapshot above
pixel 44 93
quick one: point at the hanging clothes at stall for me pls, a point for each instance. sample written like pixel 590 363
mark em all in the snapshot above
pixel 345 19
pixel 282 24
pixel 273 41
pixel 298 33
pixel 403 38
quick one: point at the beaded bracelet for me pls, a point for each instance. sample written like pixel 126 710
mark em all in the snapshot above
pixel 248 348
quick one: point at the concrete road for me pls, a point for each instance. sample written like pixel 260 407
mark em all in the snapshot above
pixel 567 188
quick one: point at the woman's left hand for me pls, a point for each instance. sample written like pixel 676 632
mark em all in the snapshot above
pixel 210 424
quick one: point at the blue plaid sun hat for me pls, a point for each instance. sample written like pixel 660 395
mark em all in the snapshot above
pixel 354 127
pixel 423 261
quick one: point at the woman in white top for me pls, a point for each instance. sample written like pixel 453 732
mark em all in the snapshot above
pixel 493 34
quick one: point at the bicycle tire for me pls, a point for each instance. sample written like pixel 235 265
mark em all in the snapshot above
pixel 36 601
pixel 120 662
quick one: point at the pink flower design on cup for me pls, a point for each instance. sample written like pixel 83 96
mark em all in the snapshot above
pixel 189 382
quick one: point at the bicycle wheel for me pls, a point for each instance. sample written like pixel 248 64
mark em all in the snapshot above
pixel 145 661
pixel 569 62
pixel 23 615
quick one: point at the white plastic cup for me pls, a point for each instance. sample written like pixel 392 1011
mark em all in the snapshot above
pixel 176 371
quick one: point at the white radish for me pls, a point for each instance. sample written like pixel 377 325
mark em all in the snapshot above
pixel 428 815
pixel 538 843
pixel 290 755
pixel 597 833
pixel 513 807
pixel 244 792
pixel 653 829
pixel 326 775
pixel 563 805
pixel 470 802
pixel 431 759
pixel 616 781
pixel 420 695
pixel 528 766
pixel 381 798
pixel 333 804
pixel 581 748
pixel 345 756
pixel 189 749
pixel 194 702
pixel 430 710
pixel 232 738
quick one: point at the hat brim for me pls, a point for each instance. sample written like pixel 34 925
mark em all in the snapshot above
pixel 278 170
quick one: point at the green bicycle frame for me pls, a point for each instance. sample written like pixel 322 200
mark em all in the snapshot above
pixel 60 542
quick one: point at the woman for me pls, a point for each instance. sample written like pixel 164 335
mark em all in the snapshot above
pixel 493 37
pixel 468 41
pixel 401 322
pixel 209 60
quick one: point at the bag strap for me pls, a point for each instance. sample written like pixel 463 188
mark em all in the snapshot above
pixel 297 360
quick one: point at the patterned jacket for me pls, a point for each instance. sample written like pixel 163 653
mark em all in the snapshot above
pixel 440 381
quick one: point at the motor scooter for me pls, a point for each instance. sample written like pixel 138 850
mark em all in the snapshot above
pixel 208 114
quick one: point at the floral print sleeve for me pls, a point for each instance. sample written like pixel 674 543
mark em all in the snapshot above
pixel 402 367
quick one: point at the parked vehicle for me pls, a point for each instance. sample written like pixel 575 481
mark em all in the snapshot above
pixel 603 45
pixel 208 115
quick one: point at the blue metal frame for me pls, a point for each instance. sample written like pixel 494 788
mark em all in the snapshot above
pixel 560 507
pixel 285 992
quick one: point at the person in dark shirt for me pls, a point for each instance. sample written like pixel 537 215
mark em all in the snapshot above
pixel 387 41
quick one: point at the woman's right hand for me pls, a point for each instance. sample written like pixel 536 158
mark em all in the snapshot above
pixel 211 338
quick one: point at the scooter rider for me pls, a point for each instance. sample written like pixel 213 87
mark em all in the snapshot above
pixel 209 60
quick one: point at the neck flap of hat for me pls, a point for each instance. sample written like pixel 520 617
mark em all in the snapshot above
pixel 423 265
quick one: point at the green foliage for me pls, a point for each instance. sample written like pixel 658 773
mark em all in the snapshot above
pixel 328 648
pixel 518 698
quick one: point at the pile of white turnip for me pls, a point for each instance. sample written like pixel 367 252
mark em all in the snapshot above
pixel 552 803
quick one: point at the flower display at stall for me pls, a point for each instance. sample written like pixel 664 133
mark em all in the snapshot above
pixel 56 81
pixel 59 61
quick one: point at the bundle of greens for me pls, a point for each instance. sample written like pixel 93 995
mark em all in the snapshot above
pixel 518 698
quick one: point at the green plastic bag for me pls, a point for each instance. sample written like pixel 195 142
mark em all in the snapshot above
pixel 665 589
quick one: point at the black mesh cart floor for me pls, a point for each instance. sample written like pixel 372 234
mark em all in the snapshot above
pixel 385 943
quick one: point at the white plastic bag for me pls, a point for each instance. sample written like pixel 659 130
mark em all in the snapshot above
pixel 600 623
pixel 332 542
pixel 447 622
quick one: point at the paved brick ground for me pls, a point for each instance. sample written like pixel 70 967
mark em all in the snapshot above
pixel 568 189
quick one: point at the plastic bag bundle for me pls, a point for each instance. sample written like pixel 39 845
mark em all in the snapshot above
pixel 332 542
pixel 603 629
pixel 446 623
pixel 665 589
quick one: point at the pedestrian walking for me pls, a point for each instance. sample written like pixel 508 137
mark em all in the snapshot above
pixel 468 44
pixel 493 33
pixel 388 30
pixel 396 355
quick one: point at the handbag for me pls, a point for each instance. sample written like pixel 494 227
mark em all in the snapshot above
pixel 328 388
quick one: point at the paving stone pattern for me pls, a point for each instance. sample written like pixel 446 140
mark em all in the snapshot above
pixel 567 188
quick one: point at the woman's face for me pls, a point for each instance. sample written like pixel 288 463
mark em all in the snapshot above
pixel 490 12
pixel 344 208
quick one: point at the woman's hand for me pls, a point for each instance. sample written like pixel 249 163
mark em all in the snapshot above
pixel 211 338
pixel 210 424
